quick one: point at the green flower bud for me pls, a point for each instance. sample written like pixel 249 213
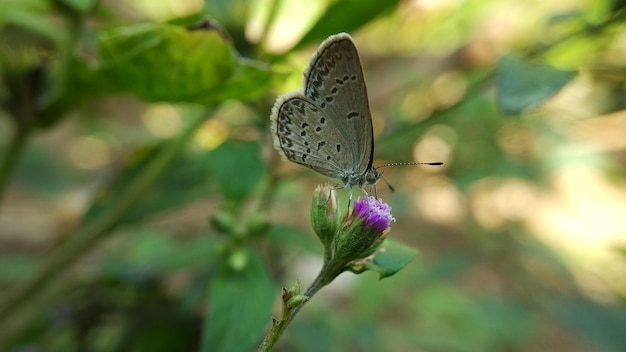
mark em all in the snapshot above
pixel 324 214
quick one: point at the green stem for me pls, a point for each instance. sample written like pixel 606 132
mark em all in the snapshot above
pixel 80 242
pixel 330 270
pixel 11 155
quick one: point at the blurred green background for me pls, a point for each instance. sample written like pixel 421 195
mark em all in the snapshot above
pixel 143 207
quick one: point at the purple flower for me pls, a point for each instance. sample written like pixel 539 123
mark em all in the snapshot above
pixel 363 229
pixel 354 236
pixel 376 213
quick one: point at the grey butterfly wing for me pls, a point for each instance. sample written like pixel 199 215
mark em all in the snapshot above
pixel 304 134
pixel 334 82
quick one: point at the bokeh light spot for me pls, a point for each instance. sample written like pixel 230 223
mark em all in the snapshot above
pixel 162 120
pixel 212 134
pixel 89 152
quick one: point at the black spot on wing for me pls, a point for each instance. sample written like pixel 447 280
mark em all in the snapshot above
pixel 352 115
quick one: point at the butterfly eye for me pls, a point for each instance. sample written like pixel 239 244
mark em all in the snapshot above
pixel 372 177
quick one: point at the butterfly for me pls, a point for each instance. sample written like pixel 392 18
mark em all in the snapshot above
pixel 327 126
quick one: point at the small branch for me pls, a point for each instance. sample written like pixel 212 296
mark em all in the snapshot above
pixel 330 270
pixel 83 240
pixel 11 155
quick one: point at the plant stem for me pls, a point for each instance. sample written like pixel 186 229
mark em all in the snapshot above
pixel 330 270
pixel 10 157
pixel 84 238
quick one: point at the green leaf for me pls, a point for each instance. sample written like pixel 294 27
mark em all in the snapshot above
pixel 28 14
pixel 345 16
pixel 80 6
pixel 183 181
pixel 152 252
pixel 602 324
pixel 15 267
pixel 286 235
pixel 521 85
pixel 233 14
pixel 388 259
pixel 237 168
pixel 240 304
pixel 43 172
pixel 169 63
pixel 250 80
pixel 161 62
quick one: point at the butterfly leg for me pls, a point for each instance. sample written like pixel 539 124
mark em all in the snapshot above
pixel 350 198
pixel 337 187
pixel 373 186
pixel 366 195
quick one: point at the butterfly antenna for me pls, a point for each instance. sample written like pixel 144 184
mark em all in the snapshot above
pixel 387 182
pixel 402 164
pixel 406 164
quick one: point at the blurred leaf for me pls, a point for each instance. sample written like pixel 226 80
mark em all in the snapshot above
pixel 237 168
pixel 564 16
pixel 522 85
pixel 159 62
pixel 240 304
pixel 319 330
pixel 165 63
pixel 451 319
pixel 28 14
pixel 448 266
pixel 604 325
pixel 170 63
pixel 250 80
pixel 388 259
pixel 286 235
pixel 231 13
pixel 345 16
pixel 507 321
pixel 15 267
pixel 43 172
pixel 163 333
pixel 156 253
pixel 80 6
pixel 618 5
pixel 183 181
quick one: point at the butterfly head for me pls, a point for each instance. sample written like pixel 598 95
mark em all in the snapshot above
pixel 372 176
pixel 359 178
